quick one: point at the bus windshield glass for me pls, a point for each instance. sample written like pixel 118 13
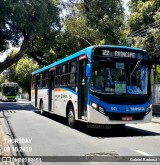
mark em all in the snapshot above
pixel 10 90
pixel 120 77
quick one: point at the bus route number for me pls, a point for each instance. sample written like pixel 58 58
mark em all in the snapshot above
pixel 114 108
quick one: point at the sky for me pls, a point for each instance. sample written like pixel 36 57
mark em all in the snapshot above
pixel 3 55
pixel 126 7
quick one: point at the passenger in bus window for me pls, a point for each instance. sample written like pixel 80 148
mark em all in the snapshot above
pixel 99 81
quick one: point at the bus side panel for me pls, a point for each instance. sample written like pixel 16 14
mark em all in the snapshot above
pixel 59 110
pixel 39 97
pixel 43 96
pixel 0 92
pixel 33 97
pixel 62 97
pixel 74 99
pixel 45 99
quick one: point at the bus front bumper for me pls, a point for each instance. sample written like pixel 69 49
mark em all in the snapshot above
pixel 96 117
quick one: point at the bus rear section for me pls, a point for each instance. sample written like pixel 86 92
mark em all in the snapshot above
pixel 9 91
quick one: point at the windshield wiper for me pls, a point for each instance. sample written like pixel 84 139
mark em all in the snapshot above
pixel 137 64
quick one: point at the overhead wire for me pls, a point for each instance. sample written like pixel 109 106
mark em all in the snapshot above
pixel 146 31
pixel 142 29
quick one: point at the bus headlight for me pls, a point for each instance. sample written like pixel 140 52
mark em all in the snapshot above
pixel 98 108
pixel 150 106
pixel 101 110
pixel 148 109
pixel 94 105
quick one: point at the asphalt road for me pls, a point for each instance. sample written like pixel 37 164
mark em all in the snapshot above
pixel 50 136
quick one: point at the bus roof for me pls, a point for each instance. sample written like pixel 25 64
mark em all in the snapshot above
pixel 87 51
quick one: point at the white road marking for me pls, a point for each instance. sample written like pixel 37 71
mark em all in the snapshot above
pixel 143 153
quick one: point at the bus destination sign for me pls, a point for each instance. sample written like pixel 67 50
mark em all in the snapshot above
pixel 120 53
pixel 109 53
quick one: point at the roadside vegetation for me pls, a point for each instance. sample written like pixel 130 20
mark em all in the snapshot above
pixel 48 30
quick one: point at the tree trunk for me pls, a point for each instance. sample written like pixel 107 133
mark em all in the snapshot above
pixel 10 61
pixel 29 94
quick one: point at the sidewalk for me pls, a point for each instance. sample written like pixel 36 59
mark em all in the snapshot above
pixel 5 148
pixel 156 118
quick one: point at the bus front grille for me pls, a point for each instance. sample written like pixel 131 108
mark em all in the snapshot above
pixel 119 116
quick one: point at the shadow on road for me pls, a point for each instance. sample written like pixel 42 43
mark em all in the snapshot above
pixel 103 133
pixel 127 131
pixel 16 106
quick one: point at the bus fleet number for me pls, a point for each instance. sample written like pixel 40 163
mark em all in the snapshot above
pixel 114 108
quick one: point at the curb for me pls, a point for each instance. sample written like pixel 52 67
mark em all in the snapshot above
pixel 8 134
pixel 11 133
pixel 5 147
pixel 156 122
pixel 156 115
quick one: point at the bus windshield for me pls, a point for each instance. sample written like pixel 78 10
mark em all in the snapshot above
pixel 10 90
pixel 119 77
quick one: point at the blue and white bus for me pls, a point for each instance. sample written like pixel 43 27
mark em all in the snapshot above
pixel 108 85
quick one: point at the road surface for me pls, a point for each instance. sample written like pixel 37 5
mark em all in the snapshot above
pixel 50 136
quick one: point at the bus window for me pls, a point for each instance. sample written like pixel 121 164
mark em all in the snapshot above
pixel 58 73
pixel 33 82
pixel 73 72
pixel 64 74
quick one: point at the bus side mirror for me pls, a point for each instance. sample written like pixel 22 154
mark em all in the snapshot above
pixel 88 70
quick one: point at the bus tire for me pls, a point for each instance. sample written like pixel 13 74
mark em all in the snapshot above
pixel 42 109
pixel 71 117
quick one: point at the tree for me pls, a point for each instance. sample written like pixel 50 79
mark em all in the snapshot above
pixel 2 79
pixel 27 24
pixel 89 22
pixel 10 73
pixel 143 25
pixel 24 70
pixel 107 17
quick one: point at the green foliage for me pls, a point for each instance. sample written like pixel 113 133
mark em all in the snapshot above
pixel 35 25
pixel 24 70
pixel 106 17
pixel 3 79
pixel 32 17
pixel 89 22
pixel 143 24
pixel 20 72
pixel 10 74
pixel 29 24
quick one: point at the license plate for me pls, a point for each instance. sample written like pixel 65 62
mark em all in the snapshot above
pixel 127 118
pixel 99 126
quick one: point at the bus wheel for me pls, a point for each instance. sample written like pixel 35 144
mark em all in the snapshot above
pixel 71 117
pixel 42 109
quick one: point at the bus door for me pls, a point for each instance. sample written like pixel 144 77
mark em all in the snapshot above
pixel 82 88
pixel 36 90
pixel 51 90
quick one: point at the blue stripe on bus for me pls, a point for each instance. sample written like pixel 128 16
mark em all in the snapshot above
pixel 70 90
pixel 121 108
pixel 62 61
pixel 67 89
